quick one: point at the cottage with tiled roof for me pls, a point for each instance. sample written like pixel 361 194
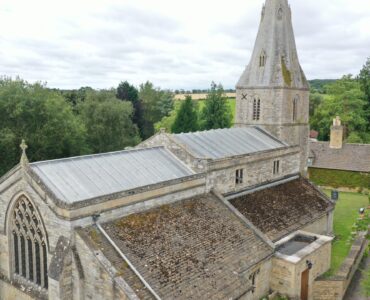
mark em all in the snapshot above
pixel 218 214
pixel 338 163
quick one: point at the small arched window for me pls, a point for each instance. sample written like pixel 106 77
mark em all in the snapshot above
pixel 256 109
pixel 28 243
pixel 280 13
pixel 262 59
pixel 295 108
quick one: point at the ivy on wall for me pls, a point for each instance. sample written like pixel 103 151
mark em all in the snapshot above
pixel 337 178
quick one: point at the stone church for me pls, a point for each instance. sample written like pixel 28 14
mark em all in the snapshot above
pixel 220 214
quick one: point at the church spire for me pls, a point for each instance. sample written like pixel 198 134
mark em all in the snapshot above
pixel 274 62
pixel 273 91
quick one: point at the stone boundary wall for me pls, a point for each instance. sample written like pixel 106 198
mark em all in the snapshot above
pixel 334 288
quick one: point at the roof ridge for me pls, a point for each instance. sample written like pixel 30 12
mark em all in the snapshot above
pixel 212 130
pixel 96 155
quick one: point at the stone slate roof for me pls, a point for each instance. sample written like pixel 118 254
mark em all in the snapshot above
pixel 97 242
pixel 352 157
pixel 192 249
pixel 279 210
pixel 86 177
pixel 222 143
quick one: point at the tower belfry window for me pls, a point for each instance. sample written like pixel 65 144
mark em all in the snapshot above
pixel 256 109
pixel 28 244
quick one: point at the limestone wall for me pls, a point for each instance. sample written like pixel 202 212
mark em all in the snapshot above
pixel 334 288
pixel 263 280
pixel 10 190
pixel 97 282
pixel 286 276
pixel 321 226
pixel 277 115
pixel 276 106
pixel 255 172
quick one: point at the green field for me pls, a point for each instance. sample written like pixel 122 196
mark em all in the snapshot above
pixel 345 216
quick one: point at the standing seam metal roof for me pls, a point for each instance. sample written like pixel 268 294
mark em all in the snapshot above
pixel 86 177
pixel 221 143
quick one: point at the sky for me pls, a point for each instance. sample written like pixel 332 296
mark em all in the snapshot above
pixel 177 44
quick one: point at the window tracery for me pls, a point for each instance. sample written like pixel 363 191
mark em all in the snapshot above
pixel 28 243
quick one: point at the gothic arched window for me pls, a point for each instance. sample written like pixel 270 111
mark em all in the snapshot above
pixel 262 59
pixel 295 108
pixel 28 242
pixel 256 109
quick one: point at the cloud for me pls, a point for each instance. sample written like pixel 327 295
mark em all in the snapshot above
pixel 175 44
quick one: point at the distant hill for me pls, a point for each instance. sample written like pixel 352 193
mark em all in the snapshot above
pixel 318 84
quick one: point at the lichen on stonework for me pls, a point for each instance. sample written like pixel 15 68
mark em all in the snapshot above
pixel 286 73
pixel 95 236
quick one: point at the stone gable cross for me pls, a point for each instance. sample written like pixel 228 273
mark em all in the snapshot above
pixel 24 159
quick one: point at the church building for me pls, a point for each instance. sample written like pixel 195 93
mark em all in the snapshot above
pixel 219 214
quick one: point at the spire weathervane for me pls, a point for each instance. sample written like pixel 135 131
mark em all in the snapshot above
pixel 24 159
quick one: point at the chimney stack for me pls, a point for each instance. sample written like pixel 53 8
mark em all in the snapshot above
pixel 336 134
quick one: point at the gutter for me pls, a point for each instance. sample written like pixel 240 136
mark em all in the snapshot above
pixel 124 257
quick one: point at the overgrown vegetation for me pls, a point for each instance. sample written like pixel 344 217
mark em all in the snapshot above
pixel 337 178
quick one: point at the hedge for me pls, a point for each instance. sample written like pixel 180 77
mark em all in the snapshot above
pixel 336 178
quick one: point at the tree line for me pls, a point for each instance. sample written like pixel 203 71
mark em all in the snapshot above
pixel 349 98
pixel 64 123
pixel 58 124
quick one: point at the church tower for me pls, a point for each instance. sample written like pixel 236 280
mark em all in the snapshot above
pixel 273 91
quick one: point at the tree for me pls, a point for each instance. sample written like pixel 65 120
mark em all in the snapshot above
pixel 364 78
pixel 156 104
pixel 315 100
pixel 167 122
pixel 108 122
pixel 40 116
pixel 345 99
pixel 74 97
pixel 187 117
pixel 216 112
pixel 127 92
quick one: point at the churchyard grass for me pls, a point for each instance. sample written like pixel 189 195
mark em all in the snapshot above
pixel 345 216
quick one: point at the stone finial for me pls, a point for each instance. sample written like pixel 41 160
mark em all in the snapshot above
pixel 24 159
